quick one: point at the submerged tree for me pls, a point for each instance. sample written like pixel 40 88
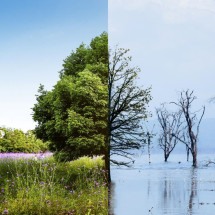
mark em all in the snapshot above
pixel 127 107
pixel 170 124
pixel 149 136
pixel 190 139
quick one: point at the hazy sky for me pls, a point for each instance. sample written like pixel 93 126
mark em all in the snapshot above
pixel 36 36
pixel 173 42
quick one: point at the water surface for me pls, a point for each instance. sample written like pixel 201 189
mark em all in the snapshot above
pixel 159 188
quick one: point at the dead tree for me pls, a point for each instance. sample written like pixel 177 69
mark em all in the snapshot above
pixel 148 140
pixel 188 152
pixel 170 124
pixel 192 123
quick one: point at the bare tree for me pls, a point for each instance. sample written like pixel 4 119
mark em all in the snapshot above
pixel 127 107
pixel 170 124
pixel 148 140
pixel 192 123
pixel 188 152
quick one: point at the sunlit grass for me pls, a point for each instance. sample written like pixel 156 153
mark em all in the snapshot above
pixel 29 186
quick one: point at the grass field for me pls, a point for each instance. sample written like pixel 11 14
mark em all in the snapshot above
pixel 44 186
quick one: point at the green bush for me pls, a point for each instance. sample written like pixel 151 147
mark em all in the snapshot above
pixel 15 140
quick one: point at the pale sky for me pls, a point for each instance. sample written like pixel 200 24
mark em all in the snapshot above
pixel 36 36
pixel 173 42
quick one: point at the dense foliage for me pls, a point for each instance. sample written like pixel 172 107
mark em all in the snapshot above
pixel 73 115
pixel 15 140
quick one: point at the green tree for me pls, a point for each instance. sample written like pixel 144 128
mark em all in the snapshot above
pixel 95 57
pixel 96 108
pixel 73 116
pixel 15 140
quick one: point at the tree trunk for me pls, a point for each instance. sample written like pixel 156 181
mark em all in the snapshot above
pixel 188 153
pixel 194 156
pixel 107 167
pixel 165 158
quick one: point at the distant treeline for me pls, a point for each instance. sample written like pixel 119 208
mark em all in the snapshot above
pixel 15 140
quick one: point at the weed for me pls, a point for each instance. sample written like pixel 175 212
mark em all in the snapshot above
pixel 47 187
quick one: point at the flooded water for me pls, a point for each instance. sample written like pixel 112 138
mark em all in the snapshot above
pixel 160 188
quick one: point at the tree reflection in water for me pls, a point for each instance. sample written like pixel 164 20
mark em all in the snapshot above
pixel 172 190
pixel 111 198
pixel 193 190
pixel 164 188
pixel 177 192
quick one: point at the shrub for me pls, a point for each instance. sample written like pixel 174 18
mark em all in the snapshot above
pixel 15 140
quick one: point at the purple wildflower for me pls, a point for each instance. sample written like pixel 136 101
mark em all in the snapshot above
pixel 42 183
pixel 12 155
pixel 5 211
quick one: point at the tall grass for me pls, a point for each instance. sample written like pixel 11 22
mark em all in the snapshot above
pixel 40 187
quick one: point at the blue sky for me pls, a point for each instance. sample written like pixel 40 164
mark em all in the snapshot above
pixel 36 36
pixel 172 41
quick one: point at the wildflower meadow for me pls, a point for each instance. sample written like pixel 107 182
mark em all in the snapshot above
pixel 36 184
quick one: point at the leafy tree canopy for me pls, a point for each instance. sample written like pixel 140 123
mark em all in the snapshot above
pixel 94 56
pixel 73 115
